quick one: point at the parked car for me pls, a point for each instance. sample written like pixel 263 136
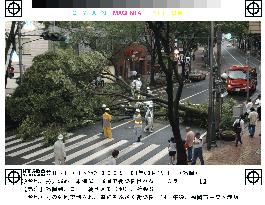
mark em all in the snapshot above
pixel 197 76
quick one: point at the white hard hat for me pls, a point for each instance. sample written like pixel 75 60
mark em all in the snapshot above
pixel 139 78
pixel 60 137
pixel 137 110
pixel 103 106
pixel 151 105
pixel 148 88
pixel 107 109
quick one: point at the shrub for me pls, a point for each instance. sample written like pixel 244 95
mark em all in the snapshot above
pixel 50 134
pixel 227 119
pixel 29 129
pixel 195 114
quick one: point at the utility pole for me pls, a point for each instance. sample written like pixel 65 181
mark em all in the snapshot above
pixel 218 75
pixel 247 60
pixel 20 51
pixel 211 126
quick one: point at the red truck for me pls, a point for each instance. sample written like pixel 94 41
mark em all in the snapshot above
pixel 237 79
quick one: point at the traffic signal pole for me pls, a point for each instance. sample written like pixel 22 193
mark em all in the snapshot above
pixel 20 51
pixel 211 127
pixel 218 93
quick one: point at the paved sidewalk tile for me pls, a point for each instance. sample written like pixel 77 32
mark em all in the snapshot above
pixel 226 153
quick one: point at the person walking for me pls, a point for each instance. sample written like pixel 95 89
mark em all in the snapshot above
pixel 172 149
pixel 239 128
pixel 113 159
pixel 258 103
pixel 189 138
pixel 103 107
pixel 138 124
pixel 253 118
pixel 249 105
pixel 59 151
pixel 107 124
pixel 149 116
pixel 197 152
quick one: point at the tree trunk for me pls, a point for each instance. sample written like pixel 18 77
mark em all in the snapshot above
pixel 152 71
pixel 10 39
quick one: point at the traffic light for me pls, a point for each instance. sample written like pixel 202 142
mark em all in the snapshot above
pixel 53 36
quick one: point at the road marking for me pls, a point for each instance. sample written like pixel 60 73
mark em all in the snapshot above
pixel 26 149
pixel 123 152
pixel 85 150
pixel 99 153
pixel 233 57
pixel 139 155
pixel 10 138
pixel 13 142
pixel 193 95
pixel 73 146
pixel 157 157
pixel 22 145
pixel 51 147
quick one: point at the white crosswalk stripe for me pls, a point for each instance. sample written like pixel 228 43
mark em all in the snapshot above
pixel 51 148
pixel 13 142
pixel 92 147
pixel 156 157
pixel 22 145
pixel 123 152
pixel 10 138
pixel 73 146
pixel 139 155
pixel 26 149
pixel 101 152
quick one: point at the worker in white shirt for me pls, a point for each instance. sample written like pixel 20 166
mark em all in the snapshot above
pixel 149 116
pixel 59 151
pixel 258 103
pixel 138 124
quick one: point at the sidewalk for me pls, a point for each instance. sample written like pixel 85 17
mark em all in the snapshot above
pixel 226 153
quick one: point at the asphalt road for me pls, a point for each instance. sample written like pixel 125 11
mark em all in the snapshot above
pixel 87 146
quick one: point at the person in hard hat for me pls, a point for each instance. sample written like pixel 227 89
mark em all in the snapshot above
pixel 138 84
pixel 149 116
pixel 103 107
pixel 149 91
pixel 138 122
pixel 59 151
pixel 133 87
pixel 107 124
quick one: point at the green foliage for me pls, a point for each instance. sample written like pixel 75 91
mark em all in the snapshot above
pixel 29 129
pixel 227 114
pixel 228 135
pixel 195 114
pixel 50 134
pixel 57 89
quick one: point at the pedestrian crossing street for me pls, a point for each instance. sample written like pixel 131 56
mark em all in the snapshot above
pixel 84 150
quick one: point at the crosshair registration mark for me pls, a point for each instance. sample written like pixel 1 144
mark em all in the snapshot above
pixel 13 8
pixel 253 176
pixel 13 176
pixel 253 8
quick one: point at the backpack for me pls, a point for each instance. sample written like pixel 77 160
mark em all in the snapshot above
pixel 237 126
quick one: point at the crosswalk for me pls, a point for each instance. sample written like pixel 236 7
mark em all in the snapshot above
pixel 83 150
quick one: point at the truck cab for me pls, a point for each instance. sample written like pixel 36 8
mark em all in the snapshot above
pixel 237 79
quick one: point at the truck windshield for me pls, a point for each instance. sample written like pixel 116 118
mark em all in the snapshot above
pixel 235 74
